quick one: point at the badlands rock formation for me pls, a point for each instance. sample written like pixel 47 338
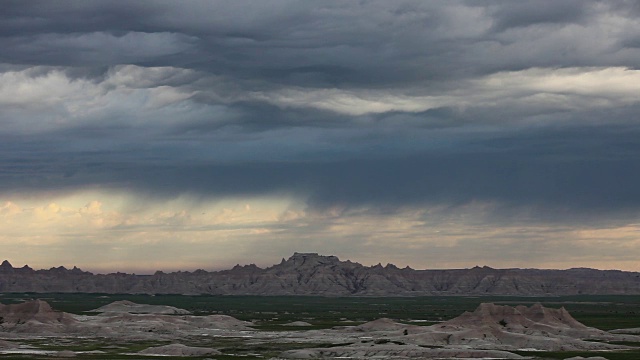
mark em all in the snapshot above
pixel 511 328
pixel 491 331
pixel 313 274
pixel 37 318
pixel 34 316
pixel 125 306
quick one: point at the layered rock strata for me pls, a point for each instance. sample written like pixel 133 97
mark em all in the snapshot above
pixel 313 274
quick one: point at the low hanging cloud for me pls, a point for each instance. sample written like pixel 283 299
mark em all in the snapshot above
pixel 545 89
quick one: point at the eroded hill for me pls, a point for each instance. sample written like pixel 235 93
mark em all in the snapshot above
pixel 491 331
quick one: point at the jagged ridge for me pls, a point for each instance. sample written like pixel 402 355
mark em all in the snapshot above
pixel 313 274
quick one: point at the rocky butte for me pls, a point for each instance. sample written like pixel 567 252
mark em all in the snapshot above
pixel 313 274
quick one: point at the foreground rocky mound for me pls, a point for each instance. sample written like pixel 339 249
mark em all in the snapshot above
pixel 512 328
pixel 143 326
pixel 38 318
pixel 34 316
pixel 125 306
pixel 491 331
pixel 313 274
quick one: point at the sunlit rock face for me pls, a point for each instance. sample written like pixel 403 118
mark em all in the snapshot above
pixel 314 274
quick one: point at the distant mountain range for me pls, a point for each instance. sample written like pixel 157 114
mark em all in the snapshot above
pixel 313 274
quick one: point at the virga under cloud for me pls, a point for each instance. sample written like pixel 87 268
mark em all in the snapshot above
pixel 361 129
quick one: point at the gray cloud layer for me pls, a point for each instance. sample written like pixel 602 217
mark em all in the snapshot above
pixel 341 103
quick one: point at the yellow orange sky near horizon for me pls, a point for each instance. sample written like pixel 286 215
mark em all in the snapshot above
pixel 102 231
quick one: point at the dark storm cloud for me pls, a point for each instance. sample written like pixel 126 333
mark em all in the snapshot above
pixel 245 126
pixel 342 44
pixel 514 14
pixel 566 173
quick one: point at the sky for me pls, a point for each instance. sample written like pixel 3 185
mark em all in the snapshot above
pixel 171 135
